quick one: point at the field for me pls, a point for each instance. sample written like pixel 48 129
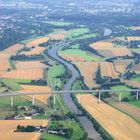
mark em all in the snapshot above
pixel 107 49
pixel 76 55
pixel 33 51
pixel 5 107
pixel 132 99
pixel 137 79
pixel 42 97
pixel 128 109
pixel 136 68
pixel 5 55
pixel 73 33
pixel 11 84
pixel 77 132
pixel 119 125
pixel 108 70
pixel 59 23
pixel 121 65
pixel 133 38
pixel 131 83
pixel 13 49
pixel 7 128
pixel 57 36
pixel 86 36
pixel 135 28
pixel 29 65
pixel 37 41
pixel 32 74
pixel 88 71
pixel 53 73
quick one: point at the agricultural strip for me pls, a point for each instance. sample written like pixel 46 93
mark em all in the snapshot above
pixel 119 125
pixel 7 128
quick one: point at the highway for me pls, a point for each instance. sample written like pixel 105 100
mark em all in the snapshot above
pixel 67 92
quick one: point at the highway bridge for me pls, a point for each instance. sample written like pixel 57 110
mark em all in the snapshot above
pixel 12 94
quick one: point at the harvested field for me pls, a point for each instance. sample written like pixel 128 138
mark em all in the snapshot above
pixel 115 52
pixel 5 55
pixel 5 65
pixel 36 50
pixel 88 71
pixel 7 128
pixel 73 57
pixel 133 84
pixel 13 49
pixel 80 54
pixel 133 38
pixel 135 28
pixel 30 65
pixel 102 45
pixel 136 69
pixel 108 70
pixel 121 65
pixel 36 42
pixel 119 125
pixel 42 98
pixel 57 36
pixel 32 74
pixel 108 49
pixel 127 108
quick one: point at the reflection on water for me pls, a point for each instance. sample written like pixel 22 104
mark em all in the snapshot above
pixel 107 32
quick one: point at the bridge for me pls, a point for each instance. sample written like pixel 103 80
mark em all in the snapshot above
pixel 12 94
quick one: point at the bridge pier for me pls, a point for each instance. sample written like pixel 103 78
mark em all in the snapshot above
pixel 99 97
pixel 54 100
pixel 137 96
pixel 12 101
pixel 79 99
pixel 120 97
pixel 33 100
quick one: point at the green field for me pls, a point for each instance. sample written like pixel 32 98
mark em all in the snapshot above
pixel 77 85
pixel 59 105
pixel 12 64
pixel 137 79
pixel 18 101
pixel 53 137
pixel 53 73
pixel 86 36
pixel 58 23
pixel 5 107
pixel 132 99
pixel 14 84
pixel 73 33
pixel 135 50
pixel 77 131
pixel 11 84
pixel 60 100
pixel 76 46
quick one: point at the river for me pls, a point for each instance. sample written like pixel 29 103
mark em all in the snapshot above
pixel 107 32
pixel 85 122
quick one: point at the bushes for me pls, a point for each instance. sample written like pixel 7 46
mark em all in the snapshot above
pixel 125 99
pixel 25 129
pixel 24 57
